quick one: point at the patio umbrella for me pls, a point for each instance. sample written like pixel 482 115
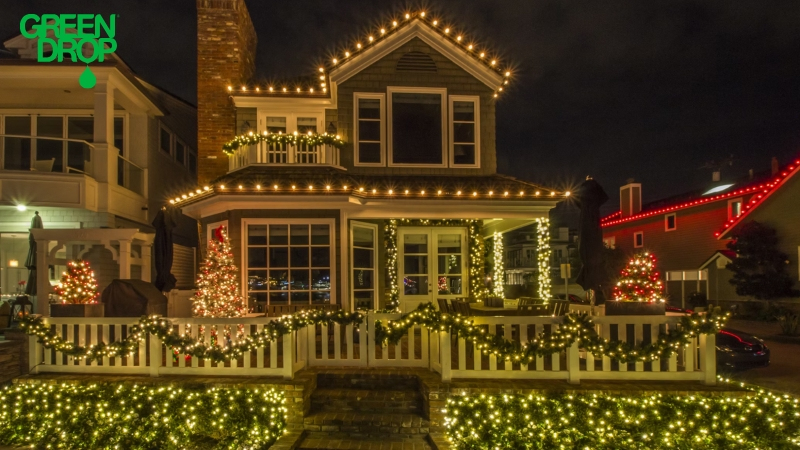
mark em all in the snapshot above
pixel 30 261
pixel 164 223
pixel 589 197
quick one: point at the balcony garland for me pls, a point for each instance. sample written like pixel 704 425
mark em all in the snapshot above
pixel 295 138
pixel 182 343
pixel 575 328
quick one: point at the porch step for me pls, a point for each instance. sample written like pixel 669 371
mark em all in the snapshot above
pixel 368 380
pixel 365 400
pixel 367 425
pixel 319 441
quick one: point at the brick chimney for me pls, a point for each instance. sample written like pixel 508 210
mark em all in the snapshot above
pixel 226 47
pixel 630 199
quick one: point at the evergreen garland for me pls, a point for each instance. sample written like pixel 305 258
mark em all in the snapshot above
pixel 575 328
pixel 295 139
pixel 185 344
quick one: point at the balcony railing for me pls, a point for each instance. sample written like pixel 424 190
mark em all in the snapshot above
pixel 130 176
pixel 283 153
pixel 45 154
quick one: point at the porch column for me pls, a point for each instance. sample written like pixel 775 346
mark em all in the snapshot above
pixel 124 259
pixel 42 277
pixel 104 152
pixel 146 263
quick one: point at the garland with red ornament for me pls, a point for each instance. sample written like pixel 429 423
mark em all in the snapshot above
pixel 639 281
pixel 78 284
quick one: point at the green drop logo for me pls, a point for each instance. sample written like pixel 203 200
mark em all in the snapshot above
pixel 87 79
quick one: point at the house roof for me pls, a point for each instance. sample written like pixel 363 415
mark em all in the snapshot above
pixel 759 186
pixel 285 180
pixel 730 255
pixel 446 39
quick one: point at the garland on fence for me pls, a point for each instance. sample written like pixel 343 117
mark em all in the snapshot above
pixel 312 140
pixel 182 343
pixel 575 328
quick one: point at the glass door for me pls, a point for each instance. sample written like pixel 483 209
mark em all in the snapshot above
pixel 364 258
pixel 431 264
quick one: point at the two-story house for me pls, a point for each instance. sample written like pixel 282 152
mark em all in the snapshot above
pixel 688 233
pixel 89 161
pixel 375 180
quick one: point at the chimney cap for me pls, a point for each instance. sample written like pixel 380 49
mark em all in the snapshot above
pixel 630 180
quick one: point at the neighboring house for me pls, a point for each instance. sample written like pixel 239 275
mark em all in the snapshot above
pixel 90 161
pixel 414 105
pixel 688 233
pixel 521 253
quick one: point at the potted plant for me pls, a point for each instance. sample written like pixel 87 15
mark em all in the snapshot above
pixel 639 291
pixel 77 293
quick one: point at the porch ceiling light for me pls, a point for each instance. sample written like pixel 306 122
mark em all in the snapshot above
pixel 21 207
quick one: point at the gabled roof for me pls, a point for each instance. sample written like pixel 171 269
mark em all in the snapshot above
pixel 730 255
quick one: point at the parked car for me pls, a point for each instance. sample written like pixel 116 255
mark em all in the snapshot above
pixel 740 350
pixel 572 299
pixel 677 309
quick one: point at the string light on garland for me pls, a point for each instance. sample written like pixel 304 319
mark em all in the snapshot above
pixel 78 284
pixel 499 271
pixel 752 419
pixel 640 281
pixel 282 139
pixel 138 417
pixel 390 233
pixel 543 254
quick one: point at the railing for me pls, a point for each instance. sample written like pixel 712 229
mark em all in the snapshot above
pixel 353 346
pixel 282 153
pixel 45 154
pixel 130 176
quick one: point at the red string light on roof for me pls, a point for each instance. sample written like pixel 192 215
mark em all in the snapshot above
pixel 764 188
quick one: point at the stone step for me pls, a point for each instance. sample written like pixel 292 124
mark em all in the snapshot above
pixel 368 425
pixel 335 440
pixel 360 400
pixel 367 380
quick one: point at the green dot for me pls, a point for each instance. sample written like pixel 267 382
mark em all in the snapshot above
pixel 87 79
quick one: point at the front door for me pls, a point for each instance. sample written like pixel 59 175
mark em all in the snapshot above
pixel 431 264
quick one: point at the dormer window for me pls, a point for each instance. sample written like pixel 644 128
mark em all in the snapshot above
pixel 416 127
pixel 464 147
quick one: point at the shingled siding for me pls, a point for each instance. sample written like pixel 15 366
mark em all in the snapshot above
pixel 226 46
pixel 234 218
pixel 382 74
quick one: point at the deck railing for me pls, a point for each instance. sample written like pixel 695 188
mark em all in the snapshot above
pixel 283 153
pixel 444 352
pixel 46 154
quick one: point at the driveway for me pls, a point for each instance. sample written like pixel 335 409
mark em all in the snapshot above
pixel 783 373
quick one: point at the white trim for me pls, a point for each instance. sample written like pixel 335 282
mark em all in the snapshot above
pixel 381 97
pixel 741 207
pixel 376 271
pixel 332 244
pixel 416 90
pixel 410 302
pixel 291 119
pixel 476 100
pixel 638 233
pixel 359 61
pixel 666 222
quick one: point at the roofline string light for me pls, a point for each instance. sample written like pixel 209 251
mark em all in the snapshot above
pixel 758 194
pixel 327 188
pixel 379 34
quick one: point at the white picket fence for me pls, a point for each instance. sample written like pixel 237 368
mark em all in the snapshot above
pixel 353 346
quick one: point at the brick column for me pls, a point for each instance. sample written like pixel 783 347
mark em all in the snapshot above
pixel 226 45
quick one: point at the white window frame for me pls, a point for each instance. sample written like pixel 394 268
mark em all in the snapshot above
pixel 476 100
pixel 374 96
pixel 291 119
pixel 389 135
pixel 666 222
pixel 740 200
pixel 243 253
pixel 635 234
pixel 376 271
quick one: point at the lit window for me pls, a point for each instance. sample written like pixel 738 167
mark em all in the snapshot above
pixel 734 208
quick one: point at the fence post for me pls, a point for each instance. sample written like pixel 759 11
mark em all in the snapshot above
pixel 444 354
pixel 573 364
pixel 34 354
pixel 156 353
pixel 288 356
pixel 709 348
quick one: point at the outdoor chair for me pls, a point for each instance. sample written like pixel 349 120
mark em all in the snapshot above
pixel 443 306
pixel 462 307
pixel 44 165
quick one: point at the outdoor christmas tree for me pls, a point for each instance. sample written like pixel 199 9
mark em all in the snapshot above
pixel 639 281
pixel 218 286
pixel 78 284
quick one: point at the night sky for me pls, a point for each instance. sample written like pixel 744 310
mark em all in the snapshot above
pixel 651 90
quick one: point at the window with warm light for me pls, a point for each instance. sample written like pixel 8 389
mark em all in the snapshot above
pixel 734 208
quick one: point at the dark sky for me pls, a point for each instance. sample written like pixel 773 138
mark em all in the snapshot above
pixel 650 90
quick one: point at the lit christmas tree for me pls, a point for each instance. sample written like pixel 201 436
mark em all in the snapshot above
pixel 78 284
pixel 639 281
pixel 218 286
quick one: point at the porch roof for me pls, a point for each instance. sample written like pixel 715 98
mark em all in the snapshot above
pixel 315 181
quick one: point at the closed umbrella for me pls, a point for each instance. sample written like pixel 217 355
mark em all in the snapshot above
pixel 589 197
pixel 164 223
pixel 30 261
